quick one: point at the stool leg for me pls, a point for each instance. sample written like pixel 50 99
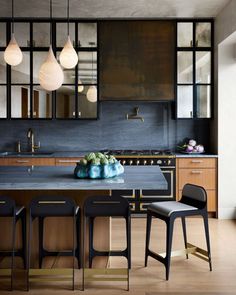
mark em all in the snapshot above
pixel 23 224
pixel 169 235
pixel 206 226
pixel 148 231
pixel 13 250
pixel 78 239
pixel 128 235
pixel 29 251
pixel 41 227
pixel 185 234
pixel 91 226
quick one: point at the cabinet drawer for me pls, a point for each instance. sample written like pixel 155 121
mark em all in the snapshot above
pixel 27 162
pixel 202 177
pixel 211 200
pixel 197 163
pixel 67 161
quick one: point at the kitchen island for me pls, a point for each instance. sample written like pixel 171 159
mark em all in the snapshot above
pixel 24 183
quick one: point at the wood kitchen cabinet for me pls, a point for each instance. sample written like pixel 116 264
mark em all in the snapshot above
pixel 27 161
pixel 199 171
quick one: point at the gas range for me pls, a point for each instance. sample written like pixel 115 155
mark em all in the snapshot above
pixel 144 157
pixel 165 159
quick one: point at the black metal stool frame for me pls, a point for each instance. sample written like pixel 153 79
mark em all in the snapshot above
pixel 201 211
pixel 105 206
pixel 62 207
pixel 8 209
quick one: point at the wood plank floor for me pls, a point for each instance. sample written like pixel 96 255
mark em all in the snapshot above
pixel 190 276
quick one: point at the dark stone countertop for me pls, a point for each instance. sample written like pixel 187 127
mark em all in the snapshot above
pixel 78 154
pixel 62 178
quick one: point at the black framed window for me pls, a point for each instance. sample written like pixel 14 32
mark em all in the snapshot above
pixel 194 52
pixel 21 96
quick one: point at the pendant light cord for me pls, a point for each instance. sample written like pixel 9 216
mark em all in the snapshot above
pixel 51 22
pixel 68 18
pixel 12 16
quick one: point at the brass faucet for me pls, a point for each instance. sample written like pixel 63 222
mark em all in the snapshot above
pixel 30 136
pixel 135 115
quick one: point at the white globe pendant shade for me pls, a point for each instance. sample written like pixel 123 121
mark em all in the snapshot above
pixel 51 75
pixel 92 94
pixel 68 57
pixel 12 54
pixel 80 87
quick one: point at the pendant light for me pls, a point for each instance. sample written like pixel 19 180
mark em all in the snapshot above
pixel 68 57
pixel 80 87
pixel 92 91
pixel 12 54
pixel 51 75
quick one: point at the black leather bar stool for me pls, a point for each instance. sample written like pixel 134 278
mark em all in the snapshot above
pixel 8 208
pixel 106 206
pixel 193 202
pixel 54 206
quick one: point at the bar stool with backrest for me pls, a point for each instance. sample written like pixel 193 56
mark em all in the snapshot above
pixel 192 203
pixel 106 206
pixel 54 206
pixel 8 208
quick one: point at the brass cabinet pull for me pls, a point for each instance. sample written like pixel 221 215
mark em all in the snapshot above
pixel 197 161
pixel 67 161
pixel 22 161
pixel 196 172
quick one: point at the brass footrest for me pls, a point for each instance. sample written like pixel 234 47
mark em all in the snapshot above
pixel 106 274
pixel 191 249
pixel 5 273
pixel 49 274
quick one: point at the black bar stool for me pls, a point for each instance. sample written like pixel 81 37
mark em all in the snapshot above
pixel 193 202
pixel 53 206
pixel 8 208
pixel 106 206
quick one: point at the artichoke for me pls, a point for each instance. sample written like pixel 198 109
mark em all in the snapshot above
pixel 83 162
pixel 96 161
pixel 90 157
pixel 104 161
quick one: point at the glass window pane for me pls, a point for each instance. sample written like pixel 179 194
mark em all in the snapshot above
pixel 185 34
pixel 204 101
pixel 21 73
pixel 3 68
pixel 38 60
pixel 41 34
pixel 3 34
pixel 3 102
pixel 20 101
pixel 65 102
pixel 185 102
pixel 62 34
pixel 185 67
pixel 42 103
pixel 203 67
pixel 69 74
pixel 86 108
pixel 87 34
pixel 203 34
pixel 22 34
pixel 87 67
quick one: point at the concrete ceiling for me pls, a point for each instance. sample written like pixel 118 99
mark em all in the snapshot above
pixel 115 8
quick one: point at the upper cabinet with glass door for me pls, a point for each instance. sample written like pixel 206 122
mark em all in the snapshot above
pixel 194 69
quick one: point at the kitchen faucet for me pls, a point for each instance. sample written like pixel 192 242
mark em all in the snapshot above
pixel 30 136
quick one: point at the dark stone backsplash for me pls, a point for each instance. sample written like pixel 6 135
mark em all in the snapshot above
pixel 112 131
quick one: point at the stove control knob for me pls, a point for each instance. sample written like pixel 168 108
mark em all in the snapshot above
pixel 130 162
pixel 151 162
pixel 159 162
pixel 123 162
pixel 138 162
pixel 144 162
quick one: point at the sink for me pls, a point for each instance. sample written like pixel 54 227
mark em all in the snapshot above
pixel 5 154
